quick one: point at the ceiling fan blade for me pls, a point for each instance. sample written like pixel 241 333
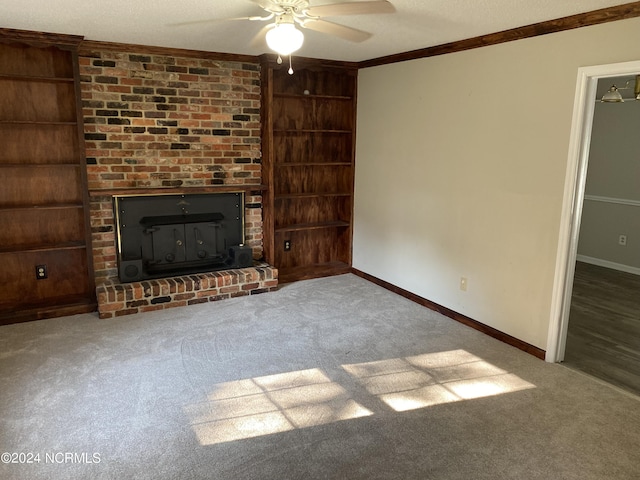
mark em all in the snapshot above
pixel 215 20
pixel 346 33
pixel 268 5
pixel 351 8
pixel 198 22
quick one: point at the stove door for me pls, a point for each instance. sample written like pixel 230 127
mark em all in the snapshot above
pixel 168 244
pixel 202 241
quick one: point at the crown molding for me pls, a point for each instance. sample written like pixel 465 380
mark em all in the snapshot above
pixel 595 17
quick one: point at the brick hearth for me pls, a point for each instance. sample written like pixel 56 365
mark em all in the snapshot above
pixel 116 299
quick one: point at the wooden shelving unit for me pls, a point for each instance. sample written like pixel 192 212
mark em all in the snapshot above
pixel 308 161
pixel 43 199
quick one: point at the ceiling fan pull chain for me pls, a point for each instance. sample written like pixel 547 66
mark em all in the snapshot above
pixel 279 60
pixel 290 67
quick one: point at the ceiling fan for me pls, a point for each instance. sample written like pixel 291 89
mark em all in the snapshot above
pixel 281 36
pixel 284 38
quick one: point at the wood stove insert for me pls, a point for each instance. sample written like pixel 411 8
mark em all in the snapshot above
pixel 176 234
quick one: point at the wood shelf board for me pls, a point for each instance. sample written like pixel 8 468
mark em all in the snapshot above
pixel 35 78
pixel 312 195
pixel 35 122
pixel 43 248
pixel 313 226
pixel 288 275
pixel 312 96
pixel 313 164
pixel 38 165
pixel 176 190
pixel 52 206
pixel 309 130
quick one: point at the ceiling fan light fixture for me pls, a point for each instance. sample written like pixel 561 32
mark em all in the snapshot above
pixel 612 95
pixel 284 38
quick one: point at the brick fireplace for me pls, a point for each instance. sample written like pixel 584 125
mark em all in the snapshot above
pixel 174 121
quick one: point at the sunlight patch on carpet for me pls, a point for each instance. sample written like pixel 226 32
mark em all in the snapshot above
pixel 259 406
pixel 271 404
pixel 431 379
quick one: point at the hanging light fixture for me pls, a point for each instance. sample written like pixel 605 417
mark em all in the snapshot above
pixel 613 95
pixel 284 38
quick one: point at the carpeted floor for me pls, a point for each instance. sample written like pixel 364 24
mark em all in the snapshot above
pixel 331 378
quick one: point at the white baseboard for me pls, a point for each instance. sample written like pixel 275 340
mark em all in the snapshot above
pixel 608 264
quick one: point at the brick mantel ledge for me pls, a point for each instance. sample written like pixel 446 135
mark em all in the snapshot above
pixel 178 190
pixel 116 299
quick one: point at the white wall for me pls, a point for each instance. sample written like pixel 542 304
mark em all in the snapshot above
pixel 460 165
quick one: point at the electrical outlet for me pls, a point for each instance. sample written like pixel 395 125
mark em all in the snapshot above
pixel 622 240
pixel 41 272
pixel 463 284
pixel 287 245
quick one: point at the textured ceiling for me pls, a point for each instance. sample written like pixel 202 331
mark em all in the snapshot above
pixel 416 23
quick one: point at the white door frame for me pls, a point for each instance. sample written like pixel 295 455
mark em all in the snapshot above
pixel 575 179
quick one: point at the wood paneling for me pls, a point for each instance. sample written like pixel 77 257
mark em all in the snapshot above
pixel 64 265
pixel 46 144
pixel 28 39
pixel 317 78
pixel 87 47
pixel 41 185
pixel 307 112
pixel 304 251
pixel 292 211
pixel 310 147
pixel 26 228
pixel 315 179
pixel 23 60
pixel 54 105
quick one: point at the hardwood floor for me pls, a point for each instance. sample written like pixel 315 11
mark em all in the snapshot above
pixel 603 338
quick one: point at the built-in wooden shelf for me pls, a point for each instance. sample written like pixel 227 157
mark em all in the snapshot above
pixel 313 164
pixel 35 122
pixel 44 211
pixel 49 206
pixel 313 195
pixel 28 164
pixel 176 190
pixel 66 305
pixel 43 247
pixel 305 272
pixel 312 96
pixel 313 226
pixel 36 78
pixel 302 131
pixel 308 164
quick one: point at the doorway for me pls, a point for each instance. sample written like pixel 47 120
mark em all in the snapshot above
pixel 574 196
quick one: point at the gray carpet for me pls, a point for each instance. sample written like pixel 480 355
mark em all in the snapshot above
pixel 331 378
